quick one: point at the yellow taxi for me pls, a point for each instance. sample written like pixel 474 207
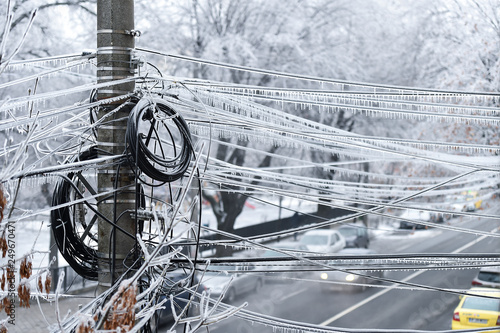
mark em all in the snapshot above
pixel 477 312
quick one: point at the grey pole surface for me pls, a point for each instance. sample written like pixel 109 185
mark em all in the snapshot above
pixel 115 45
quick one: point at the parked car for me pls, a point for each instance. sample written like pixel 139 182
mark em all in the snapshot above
pixel 355 235
pixel 336 280
pixel 487 277
pixel 217 278
pixel 415 215
pixel 474 312
pixel 323 241
pixel 175 283
pixel 437 217
pixel 289 268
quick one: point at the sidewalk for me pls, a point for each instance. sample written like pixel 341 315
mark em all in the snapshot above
pixel 32 320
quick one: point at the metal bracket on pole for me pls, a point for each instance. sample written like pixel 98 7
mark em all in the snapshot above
pixel 135 33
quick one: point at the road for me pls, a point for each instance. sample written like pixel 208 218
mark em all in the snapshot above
pixel 378 307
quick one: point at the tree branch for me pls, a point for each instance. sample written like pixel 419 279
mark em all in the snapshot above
pixel 77 3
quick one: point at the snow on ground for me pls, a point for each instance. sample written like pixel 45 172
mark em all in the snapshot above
pixel 256 211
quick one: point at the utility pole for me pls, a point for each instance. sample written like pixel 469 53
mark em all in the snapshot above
pixel 115 45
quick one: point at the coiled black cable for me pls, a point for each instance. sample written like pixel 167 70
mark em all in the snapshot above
pixel 82 258
pixel 154 113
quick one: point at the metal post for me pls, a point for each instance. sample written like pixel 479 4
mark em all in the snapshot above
pixel 115 45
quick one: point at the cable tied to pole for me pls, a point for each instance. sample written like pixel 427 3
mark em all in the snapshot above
pixel 158 140
pixel 64 220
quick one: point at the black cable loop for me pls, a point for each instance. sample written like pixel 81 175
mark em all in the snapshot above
pixel 81 257
pixel 157 166
pixel 93 111
pixel 67 179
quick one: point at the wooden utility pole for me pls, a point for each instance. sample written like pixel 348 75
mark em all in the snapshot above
pixel 115 46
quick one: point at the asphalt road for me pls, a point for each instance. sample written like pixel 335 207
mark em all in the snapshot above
pixel 376 308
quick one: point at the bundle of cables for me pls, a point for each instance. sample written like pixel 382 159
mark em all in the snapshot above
pixel 74 219
pixel 81 257
pixel 149 149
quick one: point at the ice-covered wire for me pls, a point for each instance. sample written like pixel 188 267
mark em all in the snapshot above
pixel 315 78
pixel 447 103
pixel 330 266
pixel 55 59
pixel 223 171
pixel 21 102
pixel 263 129
pixel 54 113
pixel 381 111
pixel 352 148
pixel 371 102
pixel 328 195
pixel 44 73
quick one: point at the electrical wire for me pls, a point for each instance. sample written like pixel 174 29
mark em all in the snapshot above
pixel 438 92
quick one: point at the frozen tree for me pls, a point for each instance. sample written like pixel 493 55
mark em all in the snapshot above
pixel 50 34
pixel 56 21
pixel 460 52
pixel 324 38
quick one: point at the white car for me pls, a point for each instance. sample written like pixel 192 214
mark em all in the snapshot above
pixel 416 216
pixel 217 278
pixel 488 277
pixel 279 271
pixel 323 241
pixel 337 280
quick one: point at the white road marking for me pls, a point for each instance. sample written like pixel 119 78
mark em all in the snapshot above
pixel 382 292
pixel 291 295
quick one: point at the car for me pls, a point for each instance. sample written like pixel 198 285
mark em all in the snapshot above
pixel 355 235
pixel 323 241
pixel 337 280
pixel 465 202
pixel 474 202
pixel 416 215
pixel 175 282
pixel 289 268
pixel 217 278
pixel 476 312
pixel 437 217
pixel 487 277
pixel 454 204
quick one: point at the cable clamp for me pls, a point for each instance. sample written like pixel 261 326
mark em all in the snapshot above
pixel 135 62
pixel 114 50
pixel 113 91
pixel 110 255
pixel 108 78
pixel 111 144
pixel 134 33
pixel 109 68
pixel 113 171
pixel 119 201
pixel 112 127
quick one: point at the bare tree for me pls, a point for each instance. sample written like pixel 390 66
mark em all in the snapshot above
pixel 316 38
